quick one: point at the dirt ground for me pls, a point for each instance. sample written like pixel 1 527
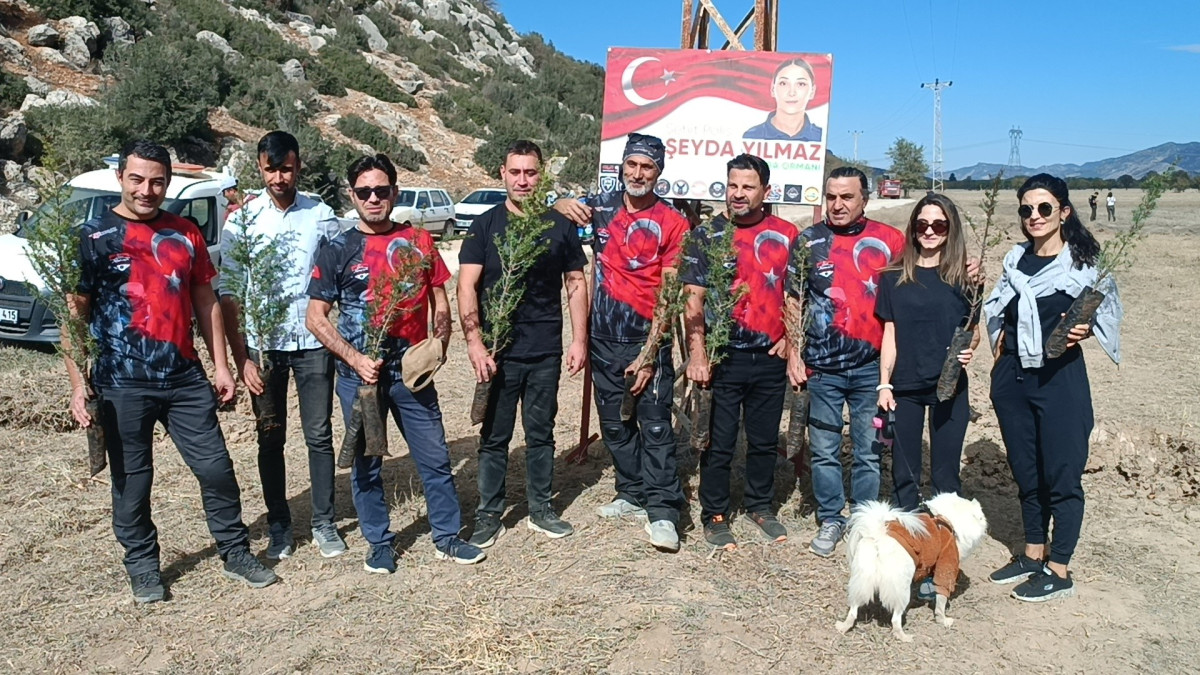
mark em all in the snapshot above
pixel 603 600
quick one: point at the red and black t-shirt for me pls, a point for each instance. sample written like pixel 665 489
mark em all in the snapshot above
pixel 762 260
pixel 139 275
pixel 843 280
pixel 632 248
pixel 347 272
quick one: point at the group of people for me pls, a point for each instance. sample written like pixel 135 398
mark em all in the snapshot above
pixel 1110 202
pixel 879 306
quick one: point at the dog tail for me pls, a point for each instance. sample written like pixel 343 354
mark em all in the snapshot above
pixel 878 564
pixel 870 521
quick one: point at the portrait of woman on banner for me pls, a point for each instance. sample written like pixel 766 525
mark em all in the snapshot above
pixel 793 87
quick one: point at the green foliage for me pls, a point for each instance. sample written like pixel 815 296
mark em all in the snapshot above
pixel 254 40
pixel 795 319
pixel 12 91
pixel 985 238
pixel 54 253
pixel 351 71
pixel 520 247
pixel 392 294
pixel 323 169
pixel 261 96
pixel 256 268
pixel 154 102
pixel 908 165
pixel 1116 254
pixel 133 11
pixel 401 154
pixel 720 294
pixel 74 139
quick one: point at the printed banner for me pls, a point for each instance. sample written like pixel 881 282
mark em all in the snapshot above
pixel 710 106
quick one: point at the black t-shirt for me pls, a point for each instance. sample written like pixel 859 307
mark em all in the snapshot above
pixel 538 321
pixel 925 313
pixel 1050 307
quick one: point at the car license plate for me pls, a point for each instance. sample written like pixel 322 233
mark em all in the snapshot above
pixel 8 316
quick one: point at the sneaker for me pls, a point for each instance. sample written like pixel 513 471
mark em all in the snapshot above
pixel 241 565
pixel 663 535
pixel 619 508
pixel 327 539
pixel 147 587
pixel 548 523
pixel 1043 586
pixel 459 551
pixel 769 525
pixel 1019 568
pixel 827 538
pixel 381 559
pixel 926 591
pixel 717 534
pixel 487 531
pixel 282 543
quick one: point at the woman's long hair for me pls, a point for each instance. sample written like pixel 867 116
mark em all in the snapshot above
pixel 1084 247
pixel 952 267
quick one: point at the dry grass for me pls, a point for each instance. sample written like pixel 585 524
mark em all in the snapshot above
pixel 603 600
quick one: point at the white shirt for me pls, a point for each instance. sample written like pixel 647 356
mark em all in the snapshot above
pixel 307 224
pixel 1110 200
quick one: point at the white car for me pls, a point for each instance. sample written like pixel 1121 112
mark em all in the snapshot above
pixel 432 208
pixel 194 192
pixel 475 204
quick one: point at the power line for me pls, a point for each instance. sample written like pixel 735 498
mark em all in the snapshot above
pixel 936 182
pixel 856 134
pixel 1080 145
pixel 1014 149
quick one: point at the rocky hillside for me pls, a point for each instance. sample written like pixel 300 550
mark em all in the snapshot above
pixel 440 85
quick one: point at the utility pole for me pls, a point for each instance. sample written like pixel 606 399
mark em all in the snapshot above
pixel 856 134
pixel 936 182
pixel 1014 150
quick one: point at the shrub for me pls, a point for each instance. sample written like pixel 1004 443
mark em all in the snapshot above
pixel 74 139
pixel 352 71
pixel 12 91
pixel 149 98
pixel 133 11
pixel 401 154
pixel 323 169
pixel 182 18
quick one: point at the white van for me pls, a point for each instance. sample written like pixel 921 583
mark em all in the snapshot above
pixel 194 192
pixel 476 204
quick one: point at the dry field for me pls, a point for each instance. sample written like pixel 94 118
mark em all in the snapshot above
pixel 603 600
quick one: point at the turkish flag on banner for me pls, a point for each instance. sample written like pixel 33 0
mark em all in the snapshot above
pixel 642 86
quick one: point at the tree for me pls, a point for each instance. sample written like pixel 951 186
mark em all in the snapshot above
pixel 1126 181
pixel 952 178
pixel 908 164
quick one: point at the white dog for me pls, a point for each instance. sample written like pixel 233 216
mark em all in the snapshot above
pixel 889 549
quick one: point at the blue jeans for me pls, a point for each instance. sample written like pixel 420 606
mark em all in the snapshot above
pixel 828 393
pixel 419 419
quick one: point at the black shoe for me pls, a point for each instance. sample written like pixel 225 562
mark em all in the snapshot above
pixel 1019 568
pixel 768 524
pixel 241 565
pixel 488 529
pixel 717 534
pixel 282 545
pixel 1042 587
pixel 548 523
pixel 147 587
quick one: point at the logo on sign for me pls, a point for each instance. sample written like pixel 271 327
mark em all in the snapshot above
pixel 791 193
pixel 610 168
pixel 716 190
pixel 774 193
pixel 608 183
pixel 662 188
pixel 812 194
pixel 680 188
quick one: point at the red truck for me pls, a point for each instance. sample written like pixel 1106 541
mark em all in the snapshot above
pixel 890 189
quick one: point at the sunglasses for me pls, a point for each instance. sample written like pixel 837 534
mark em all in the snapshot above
pixel 1044 210
pixel 939 227
pixel 380 191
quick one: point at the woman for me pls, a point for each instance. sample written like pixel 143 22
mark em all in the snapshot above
pixel 1044 405
pixel 792 86
pixel 1111 202
pixel 921 301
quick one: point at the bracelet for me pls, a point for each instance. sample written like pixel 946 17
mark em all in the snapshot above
pixel 883 386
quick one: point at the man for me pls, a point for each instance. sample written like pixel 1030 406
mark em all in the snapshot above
pixel 638 239
pixel 750 383
pixel 233 200
pixel 302 225
pixel 1092 201
pixel 840 363
pixel 142 273
pixel 528 369
pixel 349 271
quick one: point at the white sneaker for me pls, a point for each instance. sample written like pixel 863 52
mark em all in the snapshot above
pixel 662 535
pixel 620 508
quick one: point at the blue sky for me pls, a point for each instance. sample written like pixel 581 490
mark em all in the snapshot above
pixel 1083 80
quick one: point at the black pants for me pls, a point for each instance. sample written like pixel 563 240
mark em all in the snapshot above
pixel 1093 212
pixel 313 369
pixel 189 414
pixel 947 429
pixel 1045 417
pixel 535 385
pixel 643 449
pixel 748 387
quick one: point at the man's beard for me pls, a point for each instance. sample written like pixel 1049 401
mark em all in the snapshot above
pixel 642 191
pixel 374 220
